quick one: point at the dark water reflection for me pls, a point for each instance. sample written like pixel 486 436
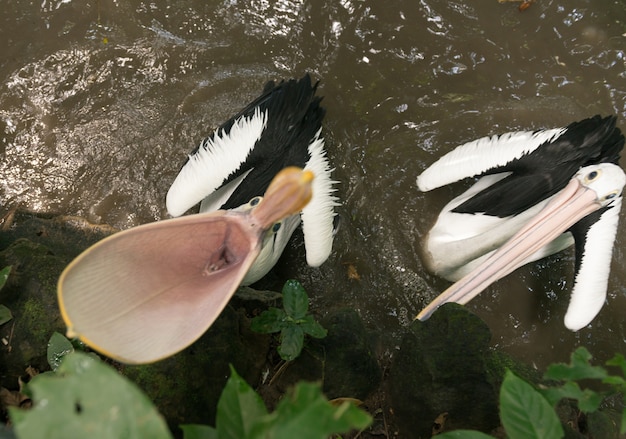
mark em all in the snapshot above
pixel 101 101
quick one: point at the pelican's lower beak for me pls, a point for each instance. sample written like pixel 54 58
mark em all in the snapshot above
pixel 148 292
pixel 564 210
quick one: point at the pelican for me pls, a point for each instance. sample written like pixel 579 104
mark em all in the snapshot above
pixel 233 167
pixel 148 292
pixel 537 193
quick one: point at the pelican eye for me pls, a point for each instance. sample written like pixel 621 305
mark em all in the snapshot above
pixel 592 176
pixel 255 201
pixel 610 196
pixel 276 227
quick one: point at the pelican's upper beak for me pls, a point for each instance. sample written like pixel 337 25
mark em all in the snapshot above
pixel 577 200
pixel 148 292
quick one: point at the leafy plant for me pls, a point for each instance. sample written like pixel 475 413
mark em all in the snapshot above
pixel 84 397
pixel 526 412
pixel 580 369
pixel 87 398
pixel 292 321
pixel 303 413
pixel 5 313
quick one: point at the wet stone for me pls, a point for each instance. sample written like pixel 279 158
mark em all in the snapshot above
pixel 440 377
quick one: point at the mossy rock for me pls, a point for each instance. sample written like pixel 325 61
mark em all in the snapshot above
pixel 441 375
pixel 187 386
pixel 38 249
pixel 343 361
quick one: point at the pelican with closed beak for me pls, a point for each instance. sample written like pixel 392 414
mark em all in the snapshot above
pixel 537 193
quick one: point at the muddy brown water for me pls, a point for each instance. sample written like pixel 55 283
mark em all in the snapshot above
pixel 101 101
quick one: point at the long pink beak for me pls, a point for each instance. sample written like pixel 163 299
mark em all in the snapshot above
pixel 568 207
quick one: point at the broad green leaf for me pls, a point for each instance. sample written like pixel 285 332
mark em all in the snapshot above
pixel 524 413
pixel 291 342
pixel 306 414
pixel 86 398
pixel 578 369
pixel 295 299
pixel 272 320
pixel 5 314
pixel 588 400
pixel 58 347
pixel 464 434
pixel 4 275
pixel 238 409
pixel 619 361
pixel 196 431
pixel 312 327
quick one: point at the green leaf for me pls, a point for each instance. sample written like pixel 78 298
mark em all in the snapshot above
pixel 312 327
pixel 578 369
pixel 464 434
pixel 291 342
pixel 306 414
pixel 238 409
pixel 196 431
pixel 615 381
pixel 295 299
pixel 5 315
pixel 272 320
pixel 58 347
pixel 619 361
pixel 88 399
pixel 524 413
pixel 4 275
pixel 588 400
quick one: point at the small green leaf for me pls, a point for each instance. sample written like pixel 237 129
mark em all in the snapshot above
pixel 619 361
pixel 5 314
pixel 524 413
pixel 588 400
pixel 238 409
pixel 4 275
pixel 615 381
pixel 196 431
pixel 295 299
pixel 578 369
pixel 272 320
pixel 58 347
pixel 312 327
pixel 464 434
pixel 86 398
pixel 291 342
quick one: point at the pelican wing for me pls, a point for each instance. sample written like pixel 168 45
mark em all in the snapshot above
pixel 213 164
pixel 148 292
pixel 594 237
pixel 318 215
pixel 482 155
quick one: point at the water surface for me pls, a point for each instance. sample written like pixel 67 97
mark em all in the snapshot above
pixel 101 101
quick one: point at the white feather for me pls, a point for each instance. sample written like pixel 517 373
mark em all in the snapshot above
pixel 589 292
pixel 474 158
pixel 318 215
pixel 223 153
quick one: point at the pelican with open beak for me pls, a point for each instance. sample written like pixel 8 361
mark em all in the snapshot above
pixel 538 193
pixel 235 164
pixel 145 293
